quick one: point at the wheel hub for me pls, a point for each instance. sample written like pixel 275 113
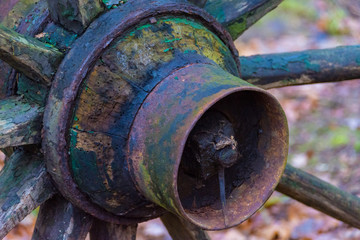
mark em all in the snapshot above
pixel 96 95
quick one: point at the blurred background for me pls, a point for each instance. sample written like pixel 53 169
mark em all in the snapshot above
pixel 324 121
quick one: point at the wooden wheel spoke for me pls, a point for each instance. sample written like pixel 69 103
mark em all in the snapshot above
pixel 200 3
pixel 59 219
pixel 110 231
pixel 320 195
pixel 24 185
pixel 7 152
pixel 20 122
pixel 180 229
pixel 239 15
pixel 35 59
pixel 299 68
pixel 75 15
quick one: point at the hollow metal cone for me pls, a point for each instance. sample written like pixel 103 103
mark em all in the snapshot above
pixel 162 127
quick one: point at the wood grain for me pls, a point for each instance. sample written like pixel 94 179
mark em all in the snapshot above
pixel 304 67
pixel 20 122
pixel 200 3
pixel 25 17
pixel 36 60
pixel 180 229
pixel 24 185
pixel 320 195
pixel 110 231
pixel 58 219
pixel 238 15
pixel 75 15
pixel 114 90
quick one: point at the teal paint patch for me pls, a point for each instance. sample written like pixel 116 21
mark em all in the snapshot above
pixel 141 28
pixel 84 166
pixel 358 60
pixel 172 40
pixel 55 36
pixel 185 21
pixel 32 91
pixel 168 49
pixel 312 66
pixel 111 4
pixel 73 138
pixel 217 9
pixel 85 170
pixel 280 64
pixel 190 51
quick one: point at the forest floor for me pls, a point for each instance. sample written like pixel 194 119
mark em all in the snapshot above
pixel 324 122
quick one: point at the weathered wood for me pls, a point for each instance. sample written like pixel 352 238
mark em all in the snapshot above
pixel 200 3
pixel 180 229
pixel 110 231
pixel 24 185
pixel 37 60
pixel 5 7
pixel 8 152
pixel 320 195
pixel 20 122
pixel 31 91
pixel 60 220
pixel 305 67
pixel 238 15
pixel 25 17
pixel 14 11
pixel 113 92
pixel 75 15
pixel 6 80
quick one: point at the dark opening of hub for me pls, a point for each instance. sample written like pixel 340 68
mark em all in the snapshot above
pixel 227 143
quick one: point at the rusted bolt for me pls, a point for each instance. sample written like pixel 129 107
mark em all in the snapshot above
pixel 211 145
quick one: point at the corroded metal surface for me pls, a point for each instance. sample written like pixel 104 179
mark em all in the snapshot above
pixel 163 124
pixel 73 70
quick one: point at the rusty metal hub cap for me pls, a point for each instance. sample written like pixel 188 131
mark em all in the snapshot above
pixel 147 114
pixel 207 146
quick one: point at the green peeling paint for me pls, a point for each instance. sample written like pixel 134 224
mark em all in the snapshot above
pixel 358 60
pixel 113 4
pixel 168 49
pixel 186 21
pixel 237 28
pixel 73 138
pixel 134 56
pixel 171 40
pixel 312 66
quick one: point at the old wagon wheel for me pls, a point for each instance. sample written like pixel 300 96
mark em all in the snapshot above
pixel 124 111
